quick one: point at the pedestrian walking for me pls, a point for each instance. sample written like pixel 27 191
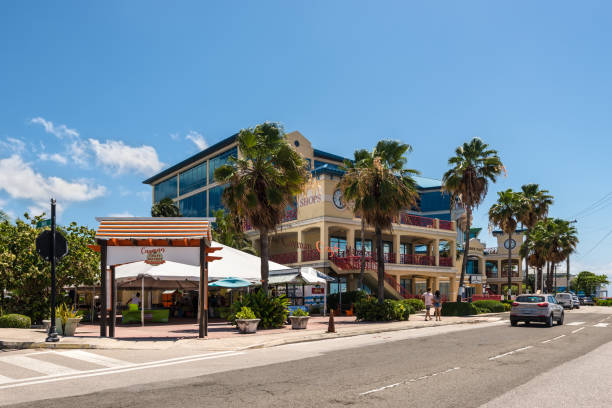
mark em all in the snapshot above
pixel 428 299
pixel 437 302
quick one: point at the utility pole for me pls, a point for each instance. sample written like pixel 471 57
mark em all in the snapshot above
pixel 567 267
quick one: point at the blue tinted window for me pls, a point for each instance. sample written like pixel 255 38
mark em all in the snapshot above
pixel 318 164
pixel 219 161
pixel 338 244
pixel 472 267
pixel 192 179
pixel 194 206
pixel 215 199
pixel 434 201
pixel 165 189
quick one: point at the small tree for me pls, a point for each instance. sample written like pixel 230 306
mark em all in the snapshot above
pixel 165 208
pixel 228 231
pixel 588 282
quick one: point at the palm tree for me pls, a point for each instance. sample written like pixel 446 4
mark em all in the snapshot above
pixel 228 231
pixel 352 188
pixel 506 214
pixel 380 187
pixel 472 168
pixel 165 208
pixel 262 182
pixel 563 240
pixel 537 204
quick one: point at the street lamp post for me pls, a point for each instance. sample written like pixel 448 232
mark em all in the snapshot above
pixel 52 337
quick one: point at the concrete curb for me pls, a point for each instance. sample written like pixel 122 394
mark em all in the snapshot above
pixel 20 345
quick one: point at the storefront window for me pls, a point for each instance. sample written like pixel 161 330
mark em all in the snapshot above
pixel 491 268
pixel 219 161
pixel 165 189
pixel 194 206
pixel 192 179
pixel 472 267
pixel 368 245
pixel 215 199
pixel 337 244
pixel 445 289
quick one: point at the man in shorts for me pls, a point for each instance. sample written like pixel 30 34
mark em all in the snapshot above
pixel 428 299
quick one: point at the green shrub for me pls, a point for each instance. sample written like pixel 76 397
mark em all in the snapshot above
pixel 272 311
pixel 458 309
pixel 245 313
pixel 299 312
pixel 15 321
pixel 507 307
pixel 417 304
pixel 348 298
pixel 370 310
pixel 315 309
pixel 603 302
pixel 489 306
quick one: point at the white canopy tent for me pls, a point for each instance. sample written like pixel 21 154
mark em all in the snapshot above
pixel 234 263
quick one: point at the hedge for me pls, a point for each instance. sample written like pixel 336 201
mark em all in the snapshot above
pixel 417 304
pixel 603 302
pixel 458 309
pixel 370 310
pixel 489 306
pixel 15 321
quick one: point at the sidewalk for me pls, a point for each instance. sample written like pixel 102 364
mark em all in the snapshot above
pixel 223 337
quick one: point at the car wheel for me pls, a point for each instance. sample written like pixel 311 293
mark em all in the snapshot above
pixel 527 322
pixel 513 323
pixel 560 321
pixel 549 320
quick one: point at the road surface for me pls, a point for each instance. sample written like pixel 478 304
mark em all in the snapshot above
pixel 469 365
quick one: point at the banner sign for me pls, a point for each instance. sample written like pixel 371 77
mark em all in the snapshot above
pixel 117 255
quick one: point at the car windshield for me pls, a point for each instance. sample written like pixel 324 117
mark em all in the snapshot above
pixel 563 295
pixel 530 299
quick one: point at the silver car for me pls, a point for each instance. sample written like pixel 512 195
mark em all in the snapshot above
pixel 565 300
pixel 536 308
pixel 576 301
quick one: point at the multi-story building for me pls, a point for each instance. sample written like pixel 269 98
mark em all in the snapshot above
pixel 321 231
pixel 487 268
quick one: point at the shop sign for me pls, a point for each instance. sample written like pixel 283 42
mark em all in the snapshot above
pixel 117 255
pixel 318 291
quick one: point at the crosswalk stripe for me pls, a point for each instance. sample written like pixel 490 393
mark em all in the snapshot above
pixel 601 325
pixel 93 358
pixel 575 323
pixel 4 379
pixel 39 366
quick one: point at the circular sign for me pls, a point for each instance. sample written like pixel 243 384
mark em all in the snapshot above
pixel 510 244
pixel 338 199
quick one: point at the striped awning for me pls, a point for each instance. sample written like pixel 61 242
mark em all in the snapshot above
pixel 156 228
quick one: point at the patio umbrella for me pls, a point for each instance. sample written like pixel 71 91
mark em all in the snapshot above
pixel 230 283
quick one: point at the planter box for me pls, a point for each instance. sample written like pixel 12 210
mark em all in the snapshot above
pixel 247 325
pixel 299 322
pixel 71 326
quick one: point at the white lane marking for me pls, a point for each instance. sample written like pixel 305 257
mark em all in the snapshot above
pixel 509 353
pixel 39 366
pixel 94 358
pixel 107 371
pixel 575 323
pixel 410 381
pixel 577 330
pixel 4 379
pixel 554 338
pixel 601 325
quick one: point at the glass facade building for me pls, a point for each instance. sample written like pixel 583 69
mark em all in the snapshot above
pixel 194 206
pixel 192 179
pixel 165 189
pixel 215 199
pixel 219 161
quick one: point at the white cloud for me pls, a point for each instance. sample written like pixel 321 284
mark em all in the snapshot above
pixel 13 145
pixel 121 214
pixel 58 130
pixel 197 139
pixel 21 181
pixel 123 158
pixel 78 153
pixel 58 158
pixel 175 136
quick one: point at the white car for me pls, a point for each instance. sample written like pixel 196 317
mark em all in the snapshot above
pixel 536 308
pixel 565 300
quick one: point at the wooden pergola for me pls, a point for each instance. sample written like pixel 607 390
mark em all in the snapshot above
pixel 123 240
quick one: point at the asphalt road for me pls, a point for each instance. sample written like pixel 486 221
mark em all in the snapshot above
pixel 461 366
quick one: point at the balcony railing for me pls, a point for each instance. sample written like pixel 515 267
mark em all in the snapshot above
pixel 445 225
pixel 444 261
pixel 286 258
pixel 410 219
pixel 417 259
pixel 310 255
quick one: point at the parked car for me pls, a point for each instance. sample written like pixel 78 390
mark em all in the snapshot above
pixel 565 300
pixel 587 301
pixel 575 301
pixel 536 308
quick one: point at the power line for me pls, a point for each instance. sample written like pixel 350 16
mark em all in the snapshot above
pixel 597 244
pixel 596 206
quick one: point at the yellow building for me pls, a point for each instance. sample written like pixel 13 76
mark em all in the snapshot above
pixel 321 231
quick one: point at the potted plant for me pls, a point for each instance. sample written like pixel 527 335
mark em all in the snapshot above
pixel 246 320
pixel 299 319
pixel 69 320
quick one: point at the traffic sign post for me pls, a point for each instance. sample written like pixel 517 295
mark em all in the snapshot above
pixel 51 246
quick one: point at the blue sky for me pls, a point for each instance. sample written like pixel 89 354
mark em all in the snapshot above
pixel 95 97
